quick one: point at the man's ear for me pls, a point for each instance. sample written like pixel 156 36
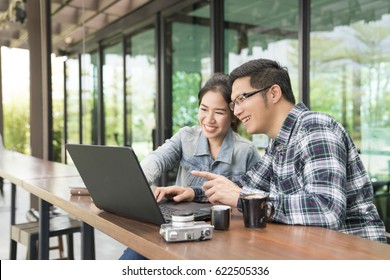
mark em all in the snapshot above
pixel 275 93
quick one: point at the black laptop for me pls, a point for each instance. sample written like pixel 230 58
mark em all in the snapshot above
pixel 117 184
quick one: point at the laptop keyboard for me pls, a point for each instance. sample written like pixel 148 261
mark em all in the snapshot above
pixel 168 211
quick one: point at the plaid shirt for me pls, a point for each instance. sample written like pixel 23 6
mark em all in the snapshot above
pixel 315 176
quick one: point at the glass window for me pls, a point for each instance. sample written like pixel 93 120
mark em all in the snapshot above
pixel 89 97
pixel 350 76
pixel 72 102
pixel 191 61
pixel 16 99
pixel 58 105
pixel 141 91
pixel 262 29
pixel 113 95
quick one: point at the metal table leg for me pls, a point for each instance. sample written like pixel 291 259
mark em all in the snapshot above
pixel 44 229
pixel 12 248
pixel 87 242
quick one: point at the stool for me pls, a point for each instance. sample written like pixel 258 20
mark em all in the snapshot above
pixel 28 235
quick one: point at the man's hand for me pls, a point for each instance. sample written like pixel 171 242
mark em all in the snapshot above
pixel 175 193
pixel 219 189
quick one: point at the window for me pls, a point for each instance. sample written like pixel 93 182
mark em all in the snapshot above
pixel 113 95
pixel 58 105
pixel 16 99
pixel 190 57
pixel 141 91
pixel 72 101
pixel 89 98
pixel 349 74
pixel 262 29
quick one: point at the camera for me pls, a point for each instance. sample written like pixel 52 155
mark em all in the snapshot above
pixel 184 228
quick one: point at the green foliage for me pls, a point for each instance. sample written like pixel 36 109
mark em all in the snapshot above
pixel 58 128
pixel 185 99
pixel 358 75
pixel 16 126
pixel 350 81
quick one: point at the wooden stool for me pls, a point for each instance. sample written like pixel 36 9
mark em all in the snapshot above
pixel 28 235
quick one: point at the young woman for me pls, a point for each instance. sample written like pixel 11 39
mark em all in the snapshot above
pixel 212 146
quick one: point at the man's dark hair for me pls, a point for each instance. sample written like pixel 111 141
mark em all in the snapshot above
pixel 263 73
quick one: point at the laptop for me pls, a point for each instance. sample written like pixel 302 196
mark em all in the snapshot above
pixel 117 184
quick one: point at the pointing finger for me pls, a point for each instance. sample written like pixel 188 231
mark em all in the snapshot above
pixel 204 174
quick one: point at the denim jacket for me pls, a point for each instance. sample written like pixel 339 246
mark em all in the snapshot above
pixel 190 147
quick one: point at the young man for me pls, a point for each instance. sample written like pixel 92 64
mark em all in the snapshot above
pixel 311 168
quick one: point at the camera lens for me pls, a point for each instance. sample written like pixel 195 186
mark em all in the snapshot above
pixel 182 219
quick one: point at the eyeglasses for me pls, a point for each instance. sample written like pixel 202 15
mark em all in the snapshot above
pixel 242 97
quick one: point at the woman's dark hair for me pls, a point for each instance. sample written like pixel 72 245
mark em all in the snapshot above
pixel 263 73
pixel 219 83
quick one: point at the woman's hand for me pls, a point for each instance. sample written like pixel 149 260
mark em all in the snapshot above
pixel 175 193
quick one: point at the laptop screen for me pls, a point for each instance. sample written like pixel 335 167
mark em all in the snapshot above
pixel 117 184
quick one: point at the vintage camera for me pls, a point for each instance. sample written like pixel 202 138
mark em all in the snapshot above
pixel 184 228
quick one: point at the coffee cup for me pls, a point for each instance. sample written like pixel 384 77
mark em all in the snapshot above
pixel 220 216
pixel 256 209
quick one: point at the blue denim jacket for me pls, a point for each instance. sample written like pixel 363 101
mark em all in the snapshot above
pixel 190 147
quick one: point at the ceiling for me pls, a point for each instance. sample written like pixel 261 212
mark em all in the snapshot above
pixel 72 20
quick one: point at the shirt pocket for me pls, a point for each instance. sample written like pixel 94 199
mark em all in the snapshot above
pixel 289 184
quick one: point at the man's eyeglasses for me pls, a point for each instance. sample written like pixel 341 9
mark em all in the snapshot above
pixel 242 97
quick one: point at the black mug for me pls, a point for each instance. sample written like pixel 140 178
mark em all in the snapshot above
pixel 256 209
pixel 220 217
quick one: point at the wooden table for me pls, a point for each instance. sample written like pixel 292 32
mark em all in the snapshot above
pixel 17 167
pixel 276 241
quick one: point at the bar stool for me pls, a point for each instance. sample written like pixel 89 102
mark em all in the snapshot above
pixel 28 235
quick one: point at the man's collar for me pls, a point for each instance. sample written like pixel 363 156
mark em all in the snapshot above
pixel 289 123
